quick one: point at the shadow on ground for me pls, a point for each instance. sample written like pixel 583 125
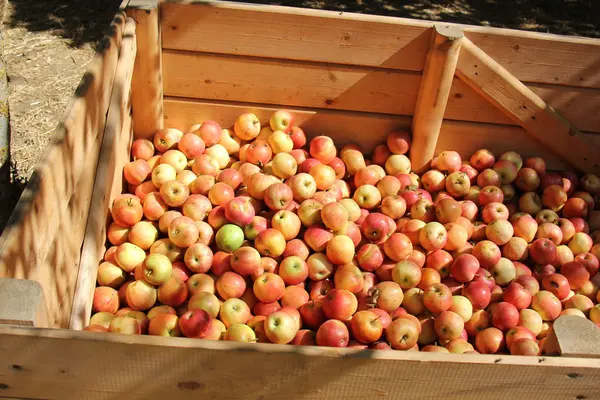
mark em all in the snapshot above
pixel 566 17
pixel 78 21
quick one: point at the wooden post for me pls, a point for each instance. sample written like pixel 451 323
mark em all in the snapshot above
pixel 22 303
pixel 146 86
pixel 573 336
pixel 110 164
pixel 436 83
pixel 520 103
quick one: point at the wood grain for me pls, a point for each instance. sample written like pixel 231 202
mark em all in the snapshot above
pixel 56 201
pixel 343 127
pixel 114 154
pixel 527 109
pixel 347 38
pixel 367 129
pixel 436 84
pixel 292 83
pixel 65 364
pixel 147 85
pixel 211 76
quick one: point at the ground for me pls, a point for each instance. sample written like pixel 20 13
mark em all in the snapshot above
pixel 48 44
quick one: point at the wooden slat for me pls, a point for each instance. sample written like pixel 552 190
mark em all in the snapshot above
pixel 292 83
pixel 55 202
pixel 113 157
pixel 296 34
pixel 368 129
pixel 342 127
pixel 65 364
pixel 468 137
pixel 316 35
pixel 147 85
pixel 512 97
pixel 436 84
pixel 218 77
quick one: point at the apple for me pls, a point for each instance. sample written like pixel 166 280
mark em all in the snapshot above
pixel 499 231
pixel 437 298
pixel 284 165
pixel 156 269
pixel 234 311
pixel 333 333
pixel 106 299
pixel 464 267
pixel 268 287
pixel 205 301
pixel 433 236
pixel 126 210
pixel 240 211
pixel 230 285
pixel 507 170
pixel 489 341
pixel 125 325
pixel 369 257
pixel 366 326
pixel 173 292
pixel 141 295
pixel 142 149
pixel 580 243
pixel 386 295
pixel 406 274
pixel 110 275
pixel 339 304
pixel 398 247
pixel 478 293
pixel 293 270
pixel 576 273
pixel 482 159
pixel 462 306
pixel 397 163
pixel 229 238
pixel 449 161
pixel 516 249
pixel 479 321
pixel 246 261
pixel 349 277
pixel 488 177
pixel 546 304
pixel 402 334
pixel 448 325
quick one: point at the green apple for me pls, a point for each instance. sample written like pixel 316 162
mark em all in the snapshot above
pixel 229 238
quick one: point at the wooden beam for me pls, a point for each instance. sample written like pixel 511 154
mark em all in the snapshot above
pixel 573 336
pixel 526 108
pixel 436 83
pixel 110 165
pixel 146 86
pixel 60 364
pixel 22 303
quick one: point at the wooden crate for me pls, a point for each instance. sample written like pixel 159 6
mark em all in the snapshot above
pixel 352 77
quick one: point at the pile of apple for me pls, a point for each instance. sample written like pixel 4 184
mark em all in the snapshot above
pixel 255 235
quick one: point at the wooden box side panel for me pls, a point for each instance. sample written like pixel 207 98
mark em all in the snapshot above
pixel 358 62
pixel 43 238
pixel 366 129
pixel 64 364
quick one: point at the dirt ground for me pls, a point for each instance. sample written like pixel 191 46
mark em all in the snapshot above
pixel 48 44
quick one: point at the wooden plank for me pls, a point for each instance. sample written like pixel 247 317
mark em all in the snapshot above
pixel 293 83
pixel 436 83
pixel 347 38
pixel 64 364
pixel 147 86
pixel 578 105
pixel 59 181
pixel 22 303
pixel 295 34
pixel 527 109
pixel 343 127
pixel 573 336
pixel 468 137
pixel 111 162
pixel 367 129
pixel 211 76
pixel 541 58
